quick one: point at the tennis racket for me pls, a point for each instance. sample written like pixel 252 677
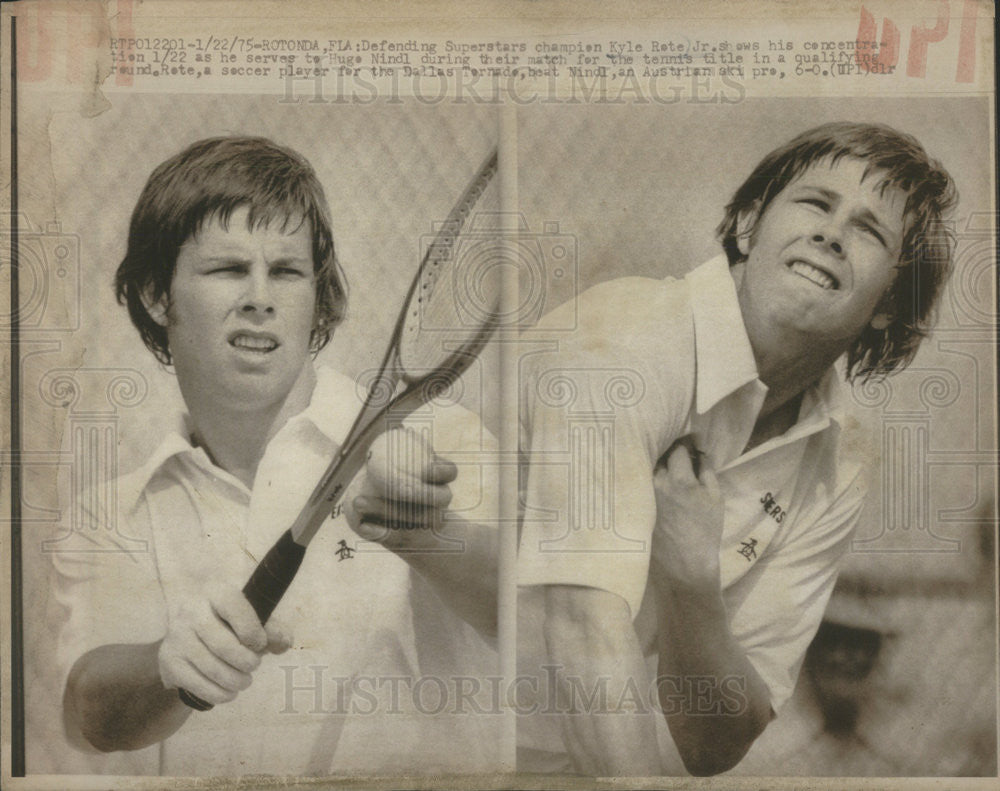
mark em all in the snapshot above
pixel 450 312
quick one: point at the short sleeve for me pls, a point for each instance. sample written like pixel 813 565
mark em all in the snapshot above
pixel 107 584
pixel 595 408
pixel 777 617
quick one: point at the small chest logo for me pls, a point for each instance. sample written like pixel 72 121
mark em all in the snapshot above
pixel 748 549
pixel 344 552
pixel 772 509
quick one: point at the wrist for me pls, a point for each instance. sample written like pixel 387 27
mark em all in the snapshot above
pixel 685 573
pixel 692 581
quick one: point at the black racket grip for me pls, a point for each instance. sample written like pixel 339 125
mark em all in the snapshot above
pixel 193 701
pixel 264 590
pixel 273 575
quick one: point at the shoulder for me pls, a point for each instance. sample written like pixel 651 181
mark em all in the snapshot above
pixel 330 380
pixel 631 321
pixel 335 387
pixel 126 497
pixel 335 403
pixel 851 444
pixel 627 351
pixel 620 303
pixel 852 457
pixel 108 530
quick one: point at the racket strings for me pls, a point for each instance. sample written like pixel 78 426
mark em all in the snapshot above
pixel 459 288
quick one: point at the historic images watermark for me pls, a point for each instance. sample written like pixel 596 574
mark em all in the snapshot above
pixel 47 311
pixel 318 690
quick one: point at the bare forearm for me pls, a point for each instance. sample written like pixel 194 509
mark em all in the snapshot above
pixel 714 701
pixel 600 672
pixel 404 507
pixel 459 559
pixel 116 700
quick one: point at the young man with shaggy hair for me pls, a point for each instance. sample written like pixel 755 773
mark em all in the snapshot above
pixel 231 279
pixel 689 553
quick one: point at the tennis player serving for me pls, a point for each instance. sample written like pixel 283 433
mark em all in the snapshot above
pixel 230 277
pixel 691 596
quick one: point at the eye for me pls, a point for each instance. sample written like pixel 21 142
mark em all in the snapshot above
pixel 819 203
pixel 289 271
pixel 873 233
pixel 227 269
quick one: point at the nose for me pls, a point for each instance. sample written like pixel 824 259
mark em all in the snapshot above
pixel 829 237
pixel 258 298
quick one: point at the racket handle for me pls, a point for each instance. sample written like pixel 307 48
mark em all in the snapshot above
pixel 273 575
pixel 264 590
pixel 193 701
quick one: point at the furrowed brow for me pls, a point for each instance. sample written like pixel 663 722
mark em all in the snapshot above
pixel 227 259
pixel 830 195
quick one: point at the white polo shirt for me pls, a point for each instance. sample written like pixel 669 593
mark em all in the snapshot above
pixel 649 362
pixel 366 630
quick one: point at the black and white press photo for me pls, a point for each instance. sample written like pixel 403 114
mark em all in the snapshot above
pixel 498 395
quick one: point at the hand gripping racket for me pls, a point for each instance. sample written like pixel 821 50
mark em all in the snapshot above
pixel 450 312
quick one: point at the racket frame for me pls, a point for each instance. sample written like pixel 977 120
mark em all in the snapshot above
pixel 366 427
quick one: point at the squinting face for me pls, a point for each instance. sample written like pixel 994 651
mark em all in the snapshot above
pixel 242 305
pixel 824 253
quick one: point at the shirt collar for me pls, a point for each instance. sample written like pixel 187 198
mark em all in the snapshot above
pixel 177 442
pixel 825 400
pixel 331 410
pixel 724 360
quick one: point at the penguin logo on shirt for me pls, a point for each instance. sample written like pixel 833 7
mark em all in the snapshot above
pixel 748 549
pixel 344 552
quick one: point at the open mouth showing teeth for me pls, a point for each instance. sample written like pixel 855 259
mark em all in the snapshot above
pixel 814 275
pixel 254 344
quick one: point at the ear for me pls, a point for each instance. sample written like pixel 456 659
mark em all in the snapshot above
pixel 885 313
pixel 156 308
pixel 880 321
pixel 745 224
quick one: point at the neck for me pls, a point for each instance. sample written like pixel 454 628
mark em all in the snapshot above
pixel 235 439
pixel 788 376
pixel 787 363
